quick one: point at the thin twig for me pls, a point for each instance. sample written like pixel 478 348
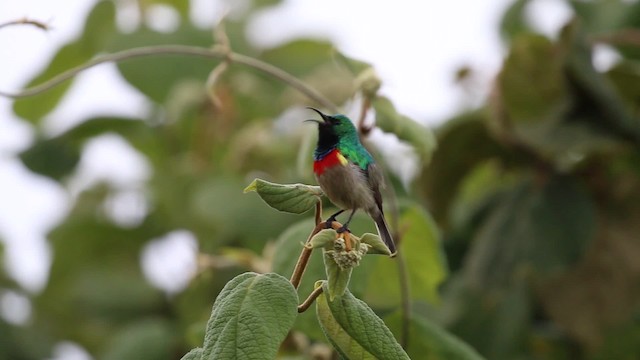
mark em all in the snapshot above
pixel 215 53
pixel 310 299
pixel 26 21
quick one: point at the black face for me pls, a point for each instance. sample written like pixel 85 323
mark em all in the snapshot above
pixel 327 137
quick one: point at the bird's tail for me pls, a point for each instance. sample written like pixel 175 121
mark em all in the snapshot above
pixel 383 231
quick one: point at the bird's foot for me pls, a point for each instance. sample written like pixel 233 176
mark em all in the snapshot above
pixel 342 229
pixel 329 223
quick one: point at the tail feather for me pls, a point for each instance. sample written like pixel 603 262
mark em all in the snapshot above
pixel 383 231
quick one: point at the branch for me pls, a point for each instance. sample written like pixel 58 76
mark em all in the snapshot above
pixel 26 21
pixel 215 53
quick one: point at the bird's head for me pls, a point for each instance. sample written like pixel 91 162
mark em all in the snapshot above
pixel 337 126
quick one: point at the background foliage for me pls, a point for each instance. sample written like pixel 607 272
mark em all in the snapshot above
pixel 520 236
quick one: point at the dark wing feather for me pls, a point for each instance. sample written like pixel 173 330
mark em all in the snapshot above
pixel 376 180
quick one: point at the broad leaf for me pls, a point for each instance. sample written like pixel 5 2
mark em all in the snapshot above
pixel 355 330
pixel 98 28
pixel 293 198
pixel 429 341
pixel 406 129
pixel 546 228
pixel 194 354
pixel 426 266
pixel 250 318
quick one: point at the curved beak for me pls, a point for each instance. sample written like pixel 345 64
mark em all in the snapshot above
pixel 324 117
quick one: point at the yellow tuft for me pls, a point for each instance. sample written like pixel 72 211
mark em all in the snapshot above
pixel 343 160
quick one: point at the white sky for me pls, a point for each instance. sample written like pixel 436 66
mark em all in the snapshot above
pixel 414 45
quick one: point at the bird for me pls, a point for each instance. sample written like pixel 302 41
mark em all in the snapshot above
pixel 348 174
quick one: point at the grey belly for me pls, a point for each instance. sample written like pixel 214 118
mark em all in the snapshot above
pixel 347 187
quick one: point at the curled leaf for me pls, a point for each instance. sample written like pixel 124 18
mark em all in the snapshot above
pixel 291 198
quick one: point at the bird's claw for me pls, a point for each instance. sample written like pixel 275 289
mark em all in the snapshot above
pixel 342 229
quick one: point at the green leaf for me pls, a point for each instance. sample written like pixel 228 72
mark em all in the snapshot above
pixel 144 340
pixel 355 330
pixel 429 341
pixel 292 198
pixel 250 318
pixel 287 250
pixel 194 354
pixel 426 265
pixel 546 229
pixel 406 129
pixel 377 246
pixel 158 76
pixel 54 158
pixel 323 239
pixel 337 277
pixel 98 27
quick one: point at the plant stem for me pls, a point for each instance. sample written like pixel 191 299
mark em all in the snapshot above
pixel 26 21
pixel 310 299
pixel 215 53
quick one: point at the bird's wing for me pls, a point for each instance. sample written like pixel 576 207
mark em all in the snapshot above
pixel 376 180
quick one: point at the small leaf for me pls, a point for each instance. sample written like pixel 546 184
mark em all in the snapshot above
pixel 377 245
pixel 355 330
pixel 322 239
pixel 194 354
pixel 250 318
pixel 406 129
pixel 292 198
pixel 337 277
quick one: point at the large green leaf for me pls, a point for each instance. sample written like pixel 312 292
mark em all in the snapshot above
pixel 425 263
pixel 429 341
pixel 406 129
pixel 152 339
pixel 157 76
pixel 355 330
pixel 545 228
pixel 293 198
pixel 96 285
pixel 57 157
pixel 250 318
pixel 98 28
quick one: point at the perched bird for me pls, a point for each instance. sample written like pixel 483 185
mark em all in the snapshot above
pixel 347 173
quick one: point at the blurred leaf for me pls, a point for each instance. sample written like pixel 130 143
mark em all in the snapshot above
pixel 546 228
pixel 99 26
pixel 251 317
pixel 354 329
pixel 356 67
pixel 293 198
pixel 429 341
pixel 406 129
pixel 152 339
pixel 156 76
pixel 181 6
pixel 534 92
pixel 95 283
pixel 425 263
pixel 514 22
pixel 606 281
pixel 54 158
pixel 299 57
pixel 57 157
pixel 194 354
pixel 452 162
pixel 495 323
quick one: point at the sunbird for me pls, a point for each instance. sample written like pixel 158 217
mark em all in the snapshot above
pixel 347 173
